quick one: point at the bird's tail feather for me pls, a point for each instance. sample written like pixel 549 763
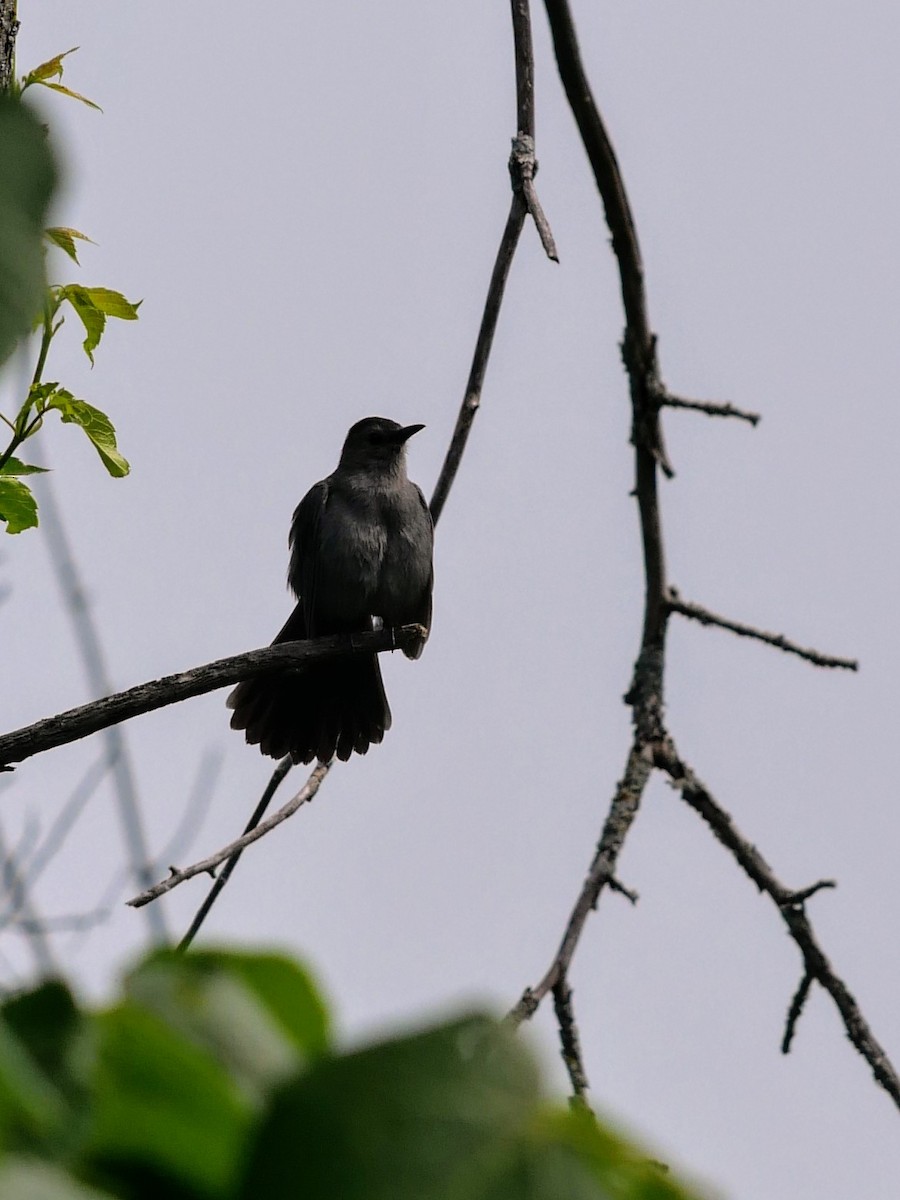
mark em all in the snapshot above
pixel 328 708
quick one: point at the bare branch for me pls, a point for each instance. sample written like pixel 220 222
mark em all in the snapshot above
pixel 100 714
pixel 59 831
pixel 570 1043
pixel 795 1011
pixel 816 964
pixel 90 647
pixel 208 865
pixel 195 809
pixel 711 410
pixel 278 776
pixel 9 27
pixel 522 166
pixel 696 612
pixel 23 902
pixel 622 813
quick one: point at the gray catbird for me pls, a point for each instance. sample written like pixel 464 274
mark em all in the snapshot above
pixel 361 543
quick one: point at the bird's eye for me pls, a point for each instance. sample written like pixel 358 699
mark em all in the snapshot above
pixel 375 438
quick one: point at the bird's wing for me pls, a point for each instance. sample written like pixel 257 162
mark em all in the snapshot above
pixel 422 614
pixel 304 546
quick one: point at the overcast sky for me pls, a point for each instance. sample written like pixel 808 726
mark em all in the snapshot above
pixel 308 199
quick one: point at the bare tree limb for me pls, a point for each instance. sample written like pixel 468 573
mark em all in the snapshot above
pixel 87 638
pixel 652 745
pixel 207 866
pixel 100 714
pixel 522 167
pixel 23 902
pixel 570 1043
pixel 795 1011
pixel 815 962
pixel 56 835
pixel 696 612
pixel 278 776
pixel 9 27
pixel 711 410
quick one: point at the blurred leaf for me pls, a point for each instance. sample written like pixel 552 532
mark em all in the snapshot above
pixel 417 1118
pixel 18 507
pixel 164 1106
pixel 285 990
pixel 51 69
pixel 29 1179
pixel 622 1169
pixel 58 87
pixel 31 1109
pixel 27 180
pixel 96 425
pixel 62 236
pixel 45 1021
pixel 534 1171
pixel 209 1002
pixel 15 466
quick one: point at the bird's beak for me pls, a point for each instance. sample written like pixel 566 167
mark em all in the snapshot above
pixel 404 434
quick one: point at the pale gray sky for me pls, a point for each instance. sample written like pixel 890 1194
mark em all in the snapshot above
pixel 308 199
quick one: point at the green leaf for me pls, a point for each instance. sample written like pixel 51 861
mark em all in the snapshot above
pixel 59 87
pixel 51 69
pixel 96 425
pixel 15 466
pixel 209 1003
pixel 27 179
pixel 623 1170
pixel 416 1118
pixel 163 1108
pixel 18 507
pixel 32 1111
pixel 91 317
pixel 112 304
pixel 93 305
pixel 284 989
pixel 64 237
pixel 29 1179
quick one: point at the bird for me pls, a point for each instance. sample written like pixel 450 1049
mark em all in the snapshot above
pixel 361 547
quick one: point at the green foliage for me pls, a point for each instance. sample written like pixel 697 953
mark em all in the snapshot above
pixel 27 179
pixel 215 1077
pixel 26 182
pixel 50 73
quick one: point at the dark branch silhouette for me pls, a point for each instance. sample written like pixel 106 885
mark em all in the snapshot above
pixel 278 776
pixel 653 746
pixel 100 714
pixel 207 866
pixel 696 612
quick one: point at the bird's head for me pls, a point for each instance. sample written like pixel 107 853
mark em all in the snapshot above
pixel 376 442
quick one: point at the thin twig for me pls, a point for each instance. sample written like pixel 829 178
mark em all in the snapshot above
pixel 23 902
pixel 570 1043
pixel 711 410
pixel 795 1011
pixel 278 776
pixel 100 714
pixel 90 646
pixel 522 166
pixel 622 812
pixel 195 809
pixel 815 962
pixel 695 612
pixel 208 865
pixel 71 923
pixel 59 831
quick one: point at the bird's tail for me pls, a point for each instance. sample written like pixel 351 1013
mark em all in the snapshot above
pixel 325 709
